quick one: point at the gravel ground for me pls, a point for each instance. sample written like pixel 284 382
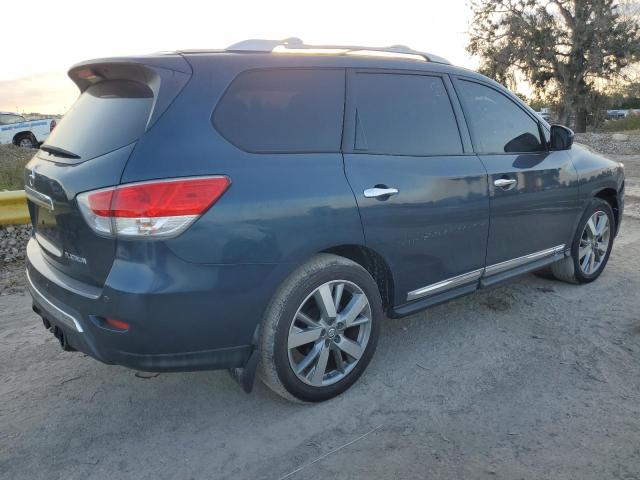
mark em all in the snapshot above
pixel 604 143
pixel 535 379
pixel 13 239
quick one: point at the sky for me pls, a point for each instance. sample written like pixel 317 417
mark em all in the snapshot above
pixel 36 54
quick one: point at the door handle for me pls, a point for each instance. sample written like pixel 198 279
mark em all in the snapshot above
pixel 377 192
pixel 505 183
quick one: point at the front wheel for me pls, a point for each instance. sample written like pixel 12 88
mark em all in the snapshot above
pixel 320 330
pixel 591 245
pixel 26 141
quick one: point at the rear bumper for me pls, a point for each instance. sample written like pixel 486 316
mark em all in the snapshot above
pixel 202 317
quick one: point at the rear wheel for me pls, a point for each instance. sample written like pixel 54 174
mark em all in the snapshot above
pixel 320 330
pixel 591 245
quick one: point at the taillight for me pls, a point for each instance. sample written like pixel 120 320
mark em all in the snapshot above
pixel 52 125
pixel 163 208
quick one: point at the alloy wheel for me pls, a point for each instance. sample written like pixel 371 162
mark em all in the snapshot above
pixel 26 143
pixel 329 333
pixel 594 243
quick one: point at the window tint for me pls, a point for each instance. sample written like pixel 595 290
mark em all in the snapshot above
pixel 284 110
pixel 404 115
pixel 497 124
pixel 107 116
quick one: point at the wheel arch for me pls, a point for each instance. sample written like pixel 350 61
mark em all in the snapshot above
pixel 19 135
pixel 374 263
pixel 610 195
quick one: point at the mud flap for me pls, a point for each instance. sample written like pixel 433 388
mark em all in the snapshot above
pixel 246 375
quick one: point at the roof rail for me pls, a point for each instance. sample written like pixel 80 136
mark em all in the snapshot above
pixel 295 45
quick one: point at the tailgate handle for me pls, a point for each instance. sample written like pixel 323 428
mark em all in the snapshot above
pixel 38 198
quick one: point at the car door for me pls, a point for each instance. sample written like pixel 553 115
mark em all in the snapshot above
pixel 421 192
pixel 533 191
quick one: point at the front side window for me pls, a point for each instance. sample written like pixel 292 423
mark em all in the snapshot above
pixel 496 123
pixel 283 110
pixel 403 114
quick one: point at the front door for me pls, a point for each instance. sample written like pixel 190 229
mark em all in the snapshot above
pixel 421 192
pixel 533 191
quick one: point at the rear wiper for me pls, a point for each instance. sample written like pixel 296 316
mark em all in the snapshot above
pixel 58 152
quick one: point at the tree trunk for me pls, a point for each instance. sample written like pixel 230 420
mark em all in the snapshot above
pixel 581 120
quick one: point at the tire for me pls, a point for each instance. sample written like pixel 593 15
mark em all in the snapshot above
pixel 26 141
pixel 572 269
pixel 296 308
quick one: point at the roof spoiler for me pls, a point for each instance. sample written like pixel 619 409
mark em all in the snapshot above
pixel 165 75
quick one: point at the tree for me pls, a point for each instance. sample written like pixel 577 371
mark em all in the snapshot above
pixel 565 49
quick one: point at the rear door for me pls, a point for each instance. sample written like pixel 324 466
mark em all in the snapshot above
pixel 533 191
pixel 421 192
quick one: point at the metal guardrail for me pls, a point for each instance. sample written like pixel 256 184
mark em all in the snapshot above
pixel 13 208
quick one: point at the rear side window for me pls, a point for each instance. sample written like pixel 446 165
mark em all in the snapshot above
pixel 284 110
pixel 497 124
pixel 404 115
pixel 107 116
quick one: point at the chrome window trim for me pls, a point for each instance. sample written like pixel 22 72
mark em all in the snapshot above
pixel 38 198
pixel 65 317
pixel 445 285
pixel 474 275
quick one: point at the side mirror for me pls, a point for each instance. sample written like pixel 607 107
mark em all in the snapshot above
pixel 561 137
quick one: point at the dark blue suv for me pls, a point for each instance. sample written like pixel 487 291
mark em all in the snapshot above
pixel 263 208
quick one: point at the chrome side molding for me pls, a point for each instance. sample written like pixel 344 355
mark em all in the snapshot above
pixel 517 262
pixel 475 275
pixel 445 285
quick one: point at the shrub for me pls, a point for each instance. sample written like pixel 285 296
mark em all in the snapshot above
pixel 630 122
pixel 12 162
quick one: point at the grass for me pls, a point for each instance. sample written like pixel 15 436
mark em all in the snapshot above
pixel 12 162
pixel 632 122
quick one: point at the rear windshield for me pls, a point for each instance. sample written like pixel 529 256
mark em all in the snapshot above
pixel 284 110
pixel 107 116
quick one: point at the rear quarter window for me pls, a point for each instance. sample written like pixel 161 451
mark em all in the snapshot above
pixel 283 111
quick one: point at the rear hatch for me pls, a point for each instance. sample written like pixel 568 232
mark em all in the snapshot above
pixel 120 99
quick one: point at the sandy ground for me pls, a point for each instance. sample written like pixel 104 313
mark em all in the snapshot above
pixel 536 379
